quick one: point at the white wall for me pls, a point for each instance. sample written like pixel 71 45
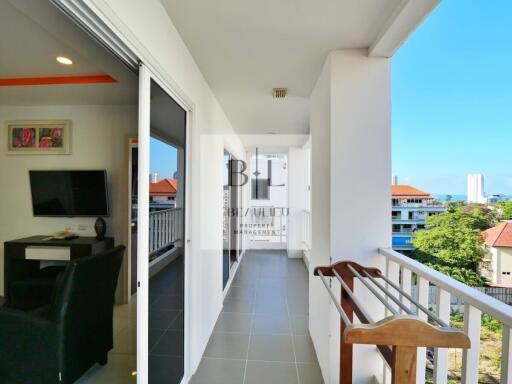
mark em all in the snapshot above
pixel 148 29
pixel 98 141
pixel 350 114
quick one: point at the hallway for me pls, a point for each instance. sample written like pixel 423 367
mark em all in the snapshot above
pixel 261 335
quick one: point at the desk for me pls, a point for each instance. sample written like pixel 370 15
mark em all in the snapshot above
pixel 23 256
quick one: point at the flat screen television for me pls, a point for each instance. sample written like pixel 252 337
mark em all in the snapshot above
pixel 69 193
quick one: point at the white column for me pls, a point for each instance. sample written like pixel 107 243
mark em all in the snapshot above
pixel 351 197
pixel 296 200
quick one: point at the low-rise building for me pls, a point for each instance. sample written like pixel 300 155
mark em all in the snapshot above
pixel 163 192
pixel 498 243
pixel 410 209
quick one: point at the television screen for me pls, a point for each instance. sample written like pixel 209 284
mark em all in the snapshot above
pixel 69 193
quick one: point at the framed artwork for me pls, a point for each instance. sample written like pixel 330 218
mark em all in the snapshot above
pixel 39 137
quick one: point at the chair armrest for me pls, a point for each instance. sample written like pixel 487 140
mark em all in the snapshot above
pixel 25 340
pixel 14 319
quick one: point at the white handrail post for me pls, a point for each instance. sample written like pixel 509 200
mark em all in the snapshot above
pixel 422 297
pixel 506 356
pixel 470 357
pixel 441 354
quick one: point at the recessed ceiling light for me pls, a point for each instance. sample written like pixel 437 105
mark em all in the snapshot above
pixel 64 60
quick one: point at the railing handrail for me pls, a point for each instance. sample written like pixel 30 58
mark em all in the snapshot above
pixel 163 211
pixel 472 296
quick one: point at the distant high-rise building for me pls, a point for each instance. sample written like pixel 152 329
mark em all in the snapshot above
pixel 476 192
pixel 153 178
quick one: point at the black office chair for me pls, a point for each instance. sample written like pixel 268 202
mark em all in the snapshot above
pixel 59 342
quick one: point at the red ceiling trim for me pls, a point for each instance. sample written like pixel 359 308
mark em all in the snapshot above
pixel 56 80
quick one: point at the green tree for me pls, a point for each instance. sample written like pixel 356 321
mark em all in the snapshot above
pixel 504 209
pixel 452 242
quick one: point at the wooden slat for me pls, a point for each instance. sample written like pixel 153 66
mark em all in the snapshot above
pixel 346 350
pixel 441 354
pixel 405 330
pixel 471 356
pixel 404 365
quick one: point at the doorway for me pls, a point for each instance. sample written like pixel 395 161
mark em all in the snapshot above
pixel 233 218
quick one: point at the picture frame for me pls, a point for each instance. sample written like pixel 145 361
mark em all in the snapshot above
pixel 38 137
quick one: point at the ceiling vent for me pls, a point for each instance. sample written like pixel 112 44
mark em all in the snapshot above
pixel 279 93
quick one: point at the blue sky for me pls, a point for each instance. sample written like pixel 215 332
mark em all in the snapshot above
pixel 452 99
pixel 163 159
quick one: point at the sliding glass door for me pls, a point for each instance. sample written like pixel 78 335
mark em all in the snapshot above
pixel 161 247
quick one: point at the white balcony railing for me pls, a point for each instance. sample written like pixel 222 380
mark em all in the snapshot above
pixel 164 229
pixel 399 269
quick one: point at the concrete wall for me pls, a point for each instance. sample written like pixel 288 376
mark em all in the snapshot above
pixel 320 129
pixel 98 141
pixel 351 204
pixel 149 30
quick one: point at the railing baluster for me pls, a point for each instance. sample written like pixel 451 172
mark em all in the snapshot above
pixel 167 227
pixel 393 274
pixel 506 355
pixel 422 297
pixel 405 284
pixel 159 230
pixel 441 354
pixel 470 357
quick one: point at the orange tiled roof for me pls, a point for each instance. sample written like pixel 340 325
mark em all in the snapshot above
pixel 406 191
pixel 499 236
pixel 164 187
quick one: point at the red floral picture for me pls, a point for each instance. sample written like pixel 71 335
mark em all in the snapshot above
pixel 39 137
pixel 24 137
pixel 51 137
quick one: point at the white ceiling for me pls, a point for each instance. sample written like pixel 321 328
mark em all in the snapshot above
pixel 33 34
pixel 245 48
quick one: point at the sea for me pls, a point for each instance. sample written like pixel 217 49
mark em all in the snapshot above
pixel 460 197
pixel 454 197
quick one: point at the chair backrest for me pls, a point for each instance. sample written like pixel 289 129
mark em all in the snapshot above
pixel 86 293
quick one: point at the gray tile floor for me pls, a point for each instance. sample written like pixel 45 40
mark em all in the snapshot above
pixel 261 335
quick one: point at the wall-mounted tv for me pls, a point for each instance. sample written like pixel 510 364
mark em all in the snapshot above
pixel 69 193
